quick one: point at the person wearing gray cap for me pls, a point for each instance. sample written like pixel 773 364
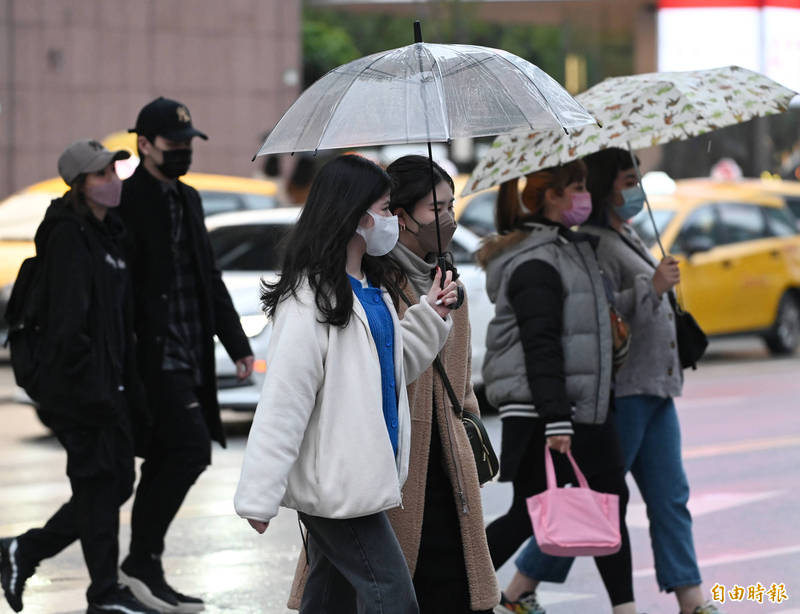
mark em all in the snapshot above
pixel 181 303
pixel 89 393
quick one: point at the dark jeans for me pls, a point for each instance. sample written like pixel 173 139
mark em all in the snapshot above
pixel 440 579
pixel 101 472
pixel 596 450
pixel 178 453
pixel 356 565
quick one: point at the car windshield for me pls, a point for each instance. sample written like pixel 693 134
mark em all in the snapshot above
pixel 479 214
pixel 253 247
pixel 215 202
pixel 257 247
pixel 644 226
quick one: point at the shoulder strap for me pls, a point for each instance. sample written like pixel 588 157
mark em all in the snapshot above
pixel 459 411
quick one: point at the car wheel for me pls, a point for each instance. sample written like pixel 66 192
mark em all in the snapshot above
pixel 784 336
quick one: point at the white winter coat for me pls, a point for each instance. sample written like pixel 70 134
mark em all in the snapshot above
pixel 319 443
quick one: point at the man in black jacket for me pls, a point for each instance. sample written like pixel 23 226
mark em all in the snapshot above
pixel 180 304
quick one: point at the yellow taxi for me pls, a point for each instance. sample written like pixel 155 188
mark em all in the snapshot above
pixel 788 190
pixel 21 212
pixel 739 251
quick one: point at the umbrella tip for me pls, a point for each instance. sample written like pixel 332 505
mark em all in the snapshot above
pixel 599 123
pixel 253 159
pixel 417 31
pixel 565 131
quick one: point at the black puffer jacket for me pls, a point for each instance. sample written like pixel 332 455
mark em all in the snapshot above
pixel 88 352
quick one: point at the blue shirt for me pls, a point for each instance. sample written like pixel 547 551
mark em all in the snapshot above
pixel 382 328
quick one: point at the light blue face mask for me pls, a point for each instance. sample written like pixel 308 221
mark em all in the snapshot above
pixel 634 201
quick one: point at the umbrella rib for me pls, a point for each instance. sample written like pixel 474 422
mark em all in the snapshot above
pixel 547 102
pixel 341 97
pixel 481 65
pixel 439 86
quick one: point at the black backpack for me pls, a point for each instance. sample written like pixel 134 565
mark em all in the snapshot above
pixel 25 316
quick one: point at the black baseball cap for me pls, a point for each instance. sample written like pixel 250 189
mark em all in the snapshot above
pixel 167 118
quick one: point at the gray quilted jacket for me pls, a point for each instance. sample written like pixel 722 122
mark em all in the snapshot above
pixel 586 334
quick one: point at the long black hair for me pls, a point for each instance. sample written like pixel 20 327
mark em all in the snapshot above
pixel 603 167
pixel 411 181
pixel 316 248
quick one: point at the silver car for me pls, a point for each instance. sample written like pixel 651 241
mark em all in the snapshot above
pixel 247 248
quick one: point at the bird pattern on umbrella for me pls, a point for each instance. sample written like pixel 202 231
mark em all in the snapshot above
pixel 639 111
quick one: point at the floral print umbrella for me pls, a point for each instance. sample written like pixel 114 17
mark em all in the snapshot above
pixel 637 111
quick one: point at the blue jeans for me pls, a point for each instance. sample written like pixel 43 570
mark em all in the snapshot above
pixel 650 439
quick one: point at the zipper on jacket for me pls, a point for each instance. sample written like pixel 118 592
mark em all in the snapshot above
pixel 456 461
pixel 599 327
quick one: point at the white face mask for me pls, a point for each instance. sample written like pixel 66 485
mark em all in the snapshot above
pixel 382 236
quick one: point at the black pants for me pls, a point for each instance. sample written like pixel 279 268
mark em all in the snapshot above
pixel 596 450
pixel 178 453
pixel 100 467
pixel 440 578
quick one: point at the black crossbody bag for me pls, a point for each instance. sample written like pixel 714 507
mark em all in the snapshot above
pixel 485 457
pixel 692 341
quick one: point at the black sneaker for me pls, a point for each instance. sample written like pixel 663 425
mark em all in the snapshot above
pixel 119 601
pixel 14 571
pixel 146 582
pixel 187 604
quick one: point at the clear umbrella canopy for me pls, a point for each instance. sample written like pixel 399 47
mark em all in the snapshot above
pixel 424 93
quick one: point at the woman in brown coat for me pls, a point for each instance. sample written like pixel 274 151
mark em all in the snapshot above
pixel 440 526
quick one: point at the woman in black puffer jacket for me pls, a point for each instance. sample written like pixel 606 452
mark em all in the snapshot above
pixel 87 383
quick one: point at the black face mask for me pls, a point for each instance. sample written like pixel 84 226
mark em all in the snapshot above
pixel 176 162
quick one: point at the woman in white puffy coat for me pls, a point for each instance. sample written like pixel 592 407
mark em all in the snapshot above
pixel 331 433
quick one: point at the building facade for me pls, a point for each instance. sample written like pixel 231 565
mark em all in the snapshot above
pixel 71 69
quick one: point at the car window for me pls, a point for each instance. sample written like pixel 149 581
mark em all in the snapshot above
pixel 643 225
pixel 258 201
pixel 254 247
pixel 793 202
pixel 220 202
pixel 740 222
pixel 700 223
pixel 780 222
pixel 479 213
pixel 461 255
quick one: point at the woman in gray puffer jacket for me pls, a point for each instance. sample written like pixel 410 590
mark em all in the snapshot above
pixel 548 366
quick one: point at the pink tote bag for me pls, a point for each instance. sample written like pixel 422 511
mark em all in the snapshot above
pixel 574 521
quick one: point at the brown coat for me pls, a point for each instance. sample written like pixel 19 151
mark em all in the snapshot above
pixel 459 463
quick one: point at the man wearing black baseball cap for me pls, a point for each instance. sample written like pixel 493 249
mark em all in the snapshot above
pixel 181 303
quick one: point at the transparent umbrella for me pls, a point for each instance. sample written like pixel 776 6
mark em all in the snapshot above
pixel 424 93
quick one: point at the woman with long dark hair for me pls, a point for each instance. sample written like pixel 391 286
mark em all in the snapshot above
pixel 89 386
pixel 331 433
pixel 549 360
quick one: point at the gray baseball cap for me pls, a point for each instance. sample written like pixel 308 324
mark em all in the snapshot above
pixel 86 156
